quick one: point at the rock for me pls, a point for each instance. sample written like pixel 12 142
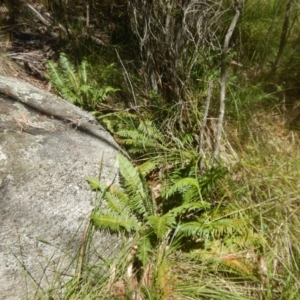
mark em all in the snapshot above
pixel 48 148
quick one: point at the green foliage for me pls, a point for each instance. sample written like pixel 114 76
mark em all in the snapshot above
pixel 261 29
pixel 114 222
pixel 222 234
pixel 77 85
pixel 131 210
pixel 154 146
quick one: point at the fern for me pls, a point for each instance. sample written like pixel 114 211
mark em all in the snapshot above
pixel 182 185
pixel 145 250
pixel 75 84
pixel 84 71
pixel 136 188
pixel 114 222
pixel 56 78
pixel 150 165
pixel 188 207
pixel 116 203
pixel 95 183
pixel 161 225
pixel 155 227
pixel 191 195
pixel 215 229
pixel 139 142
pixel 123 198
pixel 148 129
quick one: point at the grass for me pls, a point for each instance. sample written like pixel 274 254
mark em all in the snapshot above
pixel 262 189
pixel 246 243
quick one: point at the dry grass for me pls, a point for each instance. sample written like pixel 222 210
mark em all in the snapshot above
pixel 264 188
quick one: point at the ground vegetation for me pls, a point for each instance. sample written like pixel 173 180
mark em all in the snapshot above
pixel 204 97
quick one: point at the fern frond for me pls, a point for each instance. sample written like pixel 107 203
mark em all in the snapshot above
pixel 217 229
pixel 122 196
pixel 85 88
pixel 94 183
pixel 239 264
pixel 139 140
pixel 54 75
pixel 212 229
pixel 245 240
pixel 103 93
pixel 147 167
pixel 211 177
pixel 182 185
pixel 161 225
pixel 65 63
pixel 83 71
pixel 136 188
pixel 74 85
pixel 68 94
pixel 191 195
pixel 148 129
pixel 114 223
pixel 144 250
pixel 70 72
pixel 132 134
pixel 188 207
pixel 116 205
pixel 189 229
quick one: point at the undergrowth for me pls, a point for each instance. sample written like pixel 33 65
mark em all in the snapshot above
pixel 191 227
pixel 77 85
pixel 192 233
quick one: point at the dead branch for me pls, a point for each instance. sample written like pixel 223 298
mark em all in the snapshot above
pixel 238 8
pixel 204 121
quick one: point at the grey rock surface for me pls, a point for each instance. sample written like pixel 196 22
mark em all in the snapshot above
pixel 48 148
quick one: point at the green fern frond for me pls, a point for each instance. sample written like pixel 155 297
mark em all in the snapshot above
pixel 182 185
pixel 131 177
pixel 74 84
pixel 188 207
pixel 61 80
pixel 144 250
pixel 139 140
pixel 114 223
pixel 107 72
pixel 147 167
pixel 245 240
pixel 161 225
pixel 132 134
pixel 213 229
pixel 83 71
pixel 191 195
pixel 65 63
pixel 211 177
pixel 94 183
pixel 103 93
pixel 189 229
pixel 85 88
pixel 217 229
pixel 56 78
pixel 148 129
pixel 141 201
pixel 69 70
pixel 122 196
pixel 115 204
